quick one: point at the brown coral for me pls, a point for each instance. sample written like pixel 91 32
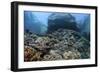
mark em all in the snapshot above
pixel 36 56
pixel 31 54
pixel 28 53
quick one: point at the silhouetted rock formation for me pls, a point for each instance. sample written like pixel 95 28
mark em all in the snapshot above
pixel 61 20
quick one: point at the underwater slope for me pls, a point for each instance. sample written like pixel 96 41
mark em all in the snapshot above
pixel 58 45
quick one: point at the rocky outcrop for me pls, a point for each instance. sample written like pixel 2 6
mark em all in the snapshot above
pixel 61 20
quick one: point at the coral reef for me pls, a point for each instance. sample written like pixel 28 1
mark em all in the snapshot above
pixel 51 57
pixel 62 44
pixel 71 55
pixel 30 54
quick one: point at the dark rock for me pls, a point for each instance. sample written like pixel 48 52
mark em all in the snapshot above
pixel 61 20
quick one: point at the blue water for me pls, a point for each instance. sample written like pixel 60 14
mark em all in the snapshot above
pixel 37 22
